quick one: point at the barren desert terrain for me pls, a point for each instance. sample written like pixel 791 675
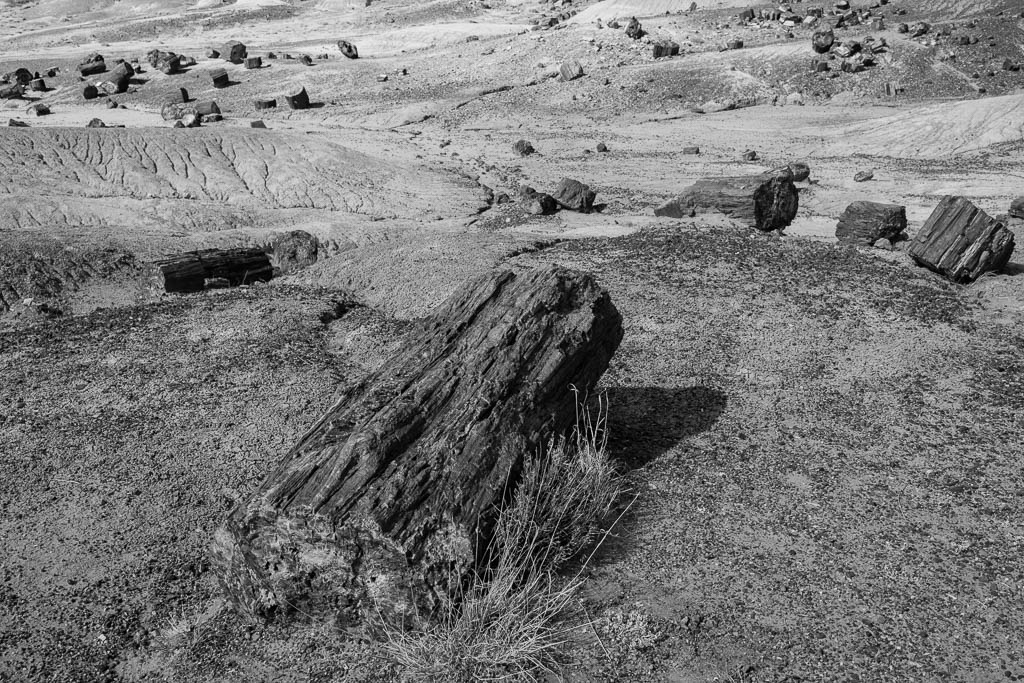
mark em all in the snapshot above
pixel 822 440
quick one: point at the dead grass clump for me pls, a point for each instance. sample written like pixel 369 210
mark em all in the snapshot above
pixel 511 624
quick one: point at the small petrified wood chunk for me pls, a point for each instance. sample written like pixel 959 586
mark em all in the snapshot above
pixel 867 222
pixel 385 503
pixel 961 241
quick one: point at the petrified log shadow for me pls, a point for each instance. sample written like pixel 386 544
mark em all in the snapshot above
pixel 646 422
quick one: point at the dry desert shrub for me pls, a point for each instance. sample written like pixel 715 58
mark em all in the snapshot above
pixel 513 621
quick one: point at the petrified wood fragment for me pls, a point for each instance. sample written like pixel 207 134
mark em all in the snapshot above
pixel 961 241
pixel 867 222
pixel 187 272
pixel 386 502
pixel 766 202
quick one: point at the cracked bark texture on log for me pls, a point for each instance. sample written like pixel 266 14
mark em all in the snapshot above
pixel 961 242
pixel 387 502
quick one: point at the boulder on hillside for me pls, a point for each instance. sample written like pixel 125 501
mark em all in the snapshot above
pixel 293 251
pixel 634 30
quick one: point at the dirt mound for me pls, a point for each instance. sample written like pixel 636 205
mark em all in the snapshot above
pixel 272 170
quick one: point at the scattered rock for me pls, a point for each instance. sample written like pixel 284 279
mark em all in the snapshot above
pixel 800 170
pixel 37 85
pixel 601 147
pixel 96 123
pixel 191 120
pixel 265 103
pixel 233 51
pixel 212 53
pixel 39 109
pixel 570 70
pixel 253 62
pixel 693 149
pixel 220 78
pixel 865 222
pixel 348 49
pixel 633 29
pixel 961 242
pixel 883 244
pixel 257 124
pixel 735 44
pixel 822 41
pixel 919 29
pixel 540 204
pixel 523 148
pixel 574 195
pixel 665 48
pixel 750 155
pixel 90 92
pixel 306 59
pixel 863 176
pixel 15 123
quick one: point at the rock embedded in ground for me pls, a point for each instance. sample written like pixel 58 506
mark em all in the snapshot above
pixel 386 504
pixel 961 242
pixel 765 202
pixel 96 123
pixel 865 222
pixel 574 195
pixel 540 204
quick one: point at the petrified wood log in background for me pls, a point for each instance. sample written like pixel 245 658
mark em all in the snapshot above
pixel 766 202
pixel 188 272
pixel 867 222
pixel 386 501
pixel 961 241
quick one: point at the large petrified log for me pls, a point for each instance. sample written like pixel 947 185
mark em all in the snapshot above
pixel 766 202
pixel 867 222
pixel 233 51
pixel 389 499
pixel 961 241
pixel 189 272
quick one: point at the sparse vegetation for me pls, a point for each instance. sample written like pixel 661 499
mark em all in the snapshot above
pixel 512 622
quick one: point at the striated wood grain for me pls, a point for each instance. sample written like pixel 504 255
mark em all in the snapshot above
pixel 386 501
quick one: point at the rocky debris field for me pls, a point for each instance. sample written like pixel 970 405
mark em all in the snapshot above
pixel 805 215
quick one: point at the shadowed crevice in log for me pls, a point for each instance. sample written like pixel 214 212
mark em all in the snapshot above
pixel 646 422
pixel 387 500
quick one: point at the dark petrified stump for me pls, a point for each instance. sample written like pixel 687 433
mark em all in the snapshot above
pixel 220 78
pixel 265 103
pixel 766 202
pixel 961 241
pixel 388 501
pixel 297 98
pixel 253 62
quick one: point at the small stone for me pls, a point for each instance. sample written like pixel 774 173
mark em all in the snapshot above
pixel 863 176
pixel 601 147
pixel 523 148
